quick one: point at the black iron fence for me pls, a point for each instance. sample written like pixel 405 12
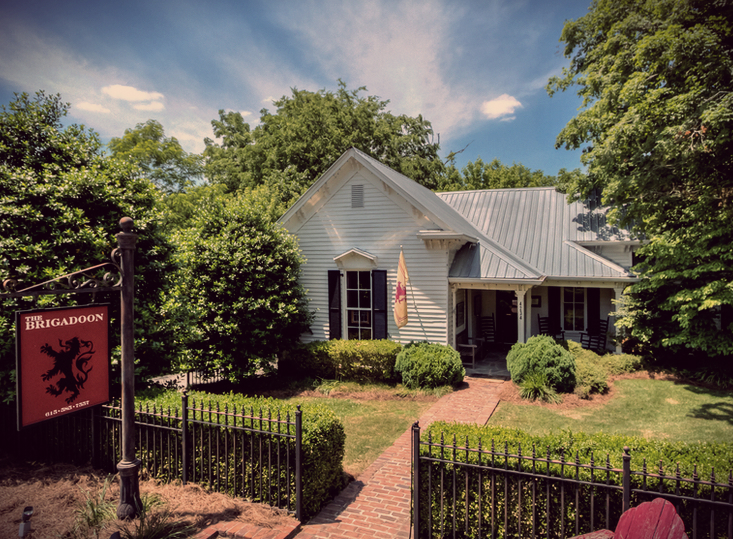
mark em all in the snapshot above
pixel 476 492
pixel 240 451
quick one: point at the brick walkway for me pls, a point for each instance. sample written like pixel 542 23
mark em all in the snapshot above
pixel 378 503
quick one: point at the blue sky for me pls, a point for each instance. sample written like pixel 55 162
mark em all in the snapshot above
pixel 476 70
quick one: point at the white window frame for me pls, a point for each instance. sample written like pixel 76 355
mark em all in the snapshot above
pixel 585 308
pixel 345 302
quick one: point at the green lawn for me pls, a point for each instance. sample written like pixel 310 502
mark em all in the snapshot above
pixel 371 426
pixel 648 408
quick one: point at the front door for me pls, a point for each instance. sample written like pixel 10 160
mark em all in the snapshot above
pixel 506 316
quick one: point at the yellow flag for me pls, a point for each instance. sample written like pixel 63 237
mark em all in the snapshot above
pixel 400 295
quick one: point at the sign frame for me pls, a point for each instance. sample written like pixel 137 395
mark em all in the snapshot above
pixel 65 372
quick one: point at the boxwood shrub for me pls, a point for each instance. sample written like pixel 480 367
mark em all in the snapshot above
pixel 350 360
pixel 323 437
pixel 429 365
pixel 604 450
pixel 365 361
pixel 541 353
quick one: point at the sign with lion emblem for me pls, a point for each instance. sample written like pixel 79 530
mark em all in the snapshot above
pixel 62 361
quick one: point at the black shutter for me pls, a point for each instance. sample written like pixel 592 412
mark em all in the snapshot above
pixel 379 303
pixel 593 296
pixel 334 304
pixel 554 307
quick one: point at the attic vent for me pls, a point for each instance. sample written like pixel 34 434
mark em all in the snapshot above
pixel 357 196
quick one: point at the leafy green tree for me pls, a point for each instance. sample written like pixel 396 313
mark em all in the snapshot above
pixel 162 158
pixel 61 200
pixel 237 302
pixel 291 148
pixel 656 132
pixel 495 175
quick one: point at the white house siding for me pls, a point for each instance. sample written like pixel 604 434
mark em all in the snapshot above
pixel 618 253
pixel 379 228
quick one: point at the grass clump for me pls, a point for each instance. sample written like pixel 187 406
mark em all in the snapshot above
pixel 535 387
pixel 94 513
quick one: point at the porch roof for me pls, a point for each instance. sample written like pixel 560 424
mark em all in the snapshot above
pixel 540 228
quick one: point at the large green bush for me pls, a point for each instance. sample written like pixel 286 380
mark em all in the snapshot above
pixel 323 437
pixel 352 360
pixel 542 353
pixel 592 371
pixel 534 497
pixel 237 302
pixel 428 365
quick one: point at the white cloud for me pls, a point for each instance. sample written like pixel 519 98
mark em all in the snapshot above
pixel 91 107
pixel 154 106
pixel 130 93
pixel 500 107
pixel 401 51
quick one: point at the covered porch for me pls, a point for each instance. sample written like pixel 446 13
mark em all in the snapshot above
pixel 494 315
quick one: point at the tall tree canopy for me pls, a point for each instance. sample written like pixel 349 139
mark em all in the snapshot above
pixel 61 200
pixel 293 146
pixel 656 131
pixel 162 158
pixel 494 175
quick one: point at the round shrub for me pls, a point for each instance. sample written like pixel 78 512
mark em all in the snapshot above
pixel 427 365
pixel 541 353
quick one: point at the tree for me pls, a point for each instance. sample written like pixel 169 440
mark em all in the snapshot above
pixel 495 175
pixel 61 200
pixel 656 132
pixel 291 148
pixel 162 158
pixel 237 299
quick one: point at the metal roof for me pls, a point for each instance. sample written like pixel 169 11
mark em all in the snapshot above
pixel 541 228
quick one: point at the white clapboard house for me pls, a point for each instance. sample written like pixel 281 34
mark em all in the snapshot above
pixel 503 264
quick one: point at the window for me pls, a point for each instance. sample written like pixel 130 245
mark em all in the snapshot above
pixel 574 308
pixel 364 304
pixel 358 304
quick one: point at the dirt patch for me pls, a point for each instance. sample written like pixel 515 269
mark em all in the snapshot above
pixel 56 491
pixel 570 401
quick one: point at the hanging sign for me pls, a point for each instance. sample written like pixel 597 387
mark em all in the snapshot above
pixel 62 359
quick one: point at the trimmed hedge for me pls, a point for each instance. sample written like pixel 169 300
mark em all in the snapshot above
pixel 428 365
pixel 352 360
pixel 323 438
pixel 563 446
pixel 542 353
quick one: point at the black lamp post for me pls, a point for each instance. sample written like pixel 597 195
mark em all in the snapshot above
pixel 129 466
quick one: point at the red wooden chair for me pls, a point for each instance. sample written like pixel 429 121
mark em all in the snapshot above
pixel 650 520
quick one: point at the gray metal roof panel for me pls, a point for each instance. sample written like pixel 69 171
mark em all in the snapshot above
pixel 538 226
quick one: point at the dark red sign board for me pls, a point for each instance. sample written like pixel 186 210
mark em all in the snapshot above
pixel 62 360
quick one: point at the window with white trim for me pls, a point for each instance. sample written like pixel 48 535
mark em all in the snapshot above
pixel 358 304
pixel 573 299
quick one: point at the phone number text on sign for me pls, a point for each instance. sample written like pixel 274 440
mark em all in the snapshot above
pixel 67 408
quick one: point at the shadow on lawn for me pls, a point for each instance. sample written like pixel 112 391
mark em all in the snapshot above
pixel 716 411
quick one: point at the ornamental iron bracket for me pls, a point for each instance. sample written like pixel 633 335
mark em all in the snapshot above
pixel 105 277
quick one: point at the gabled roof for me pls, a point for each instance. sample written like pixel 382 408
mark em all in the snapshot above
pixel 422 198
pixel 537 225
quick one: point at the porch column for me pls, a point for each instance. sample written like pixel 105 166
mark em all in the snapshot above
pixel 521 316
pixel 618 292
pixel 452 323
